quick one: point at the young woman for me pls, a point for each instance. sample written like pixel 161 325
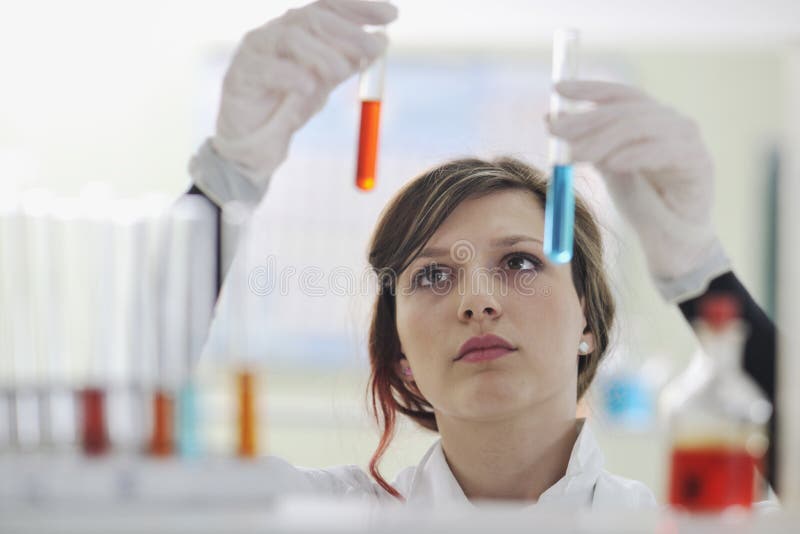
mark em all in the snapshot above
pixel 477 336
pixel 474 333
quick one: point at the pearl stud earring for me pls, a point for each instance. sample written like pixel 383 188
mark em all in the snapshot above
pixel 583 347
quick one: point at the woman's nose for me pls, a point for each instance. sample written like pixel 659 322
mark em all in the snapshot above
pixel 488 312
pixel 479 302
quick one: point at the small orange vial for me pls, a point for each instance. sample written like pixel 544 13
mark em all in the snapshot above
pixel 248 420
pixel 370 92
pixel 162 441
pixel 368 144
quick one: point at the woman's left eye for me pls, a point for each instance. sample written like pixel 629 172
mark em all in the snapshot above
pixel 521 262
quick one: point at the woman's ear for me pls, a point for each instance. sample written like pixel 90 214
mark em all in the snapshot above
pixel 407 376
pixel 587 343
pixel 404 370
pixel 582 300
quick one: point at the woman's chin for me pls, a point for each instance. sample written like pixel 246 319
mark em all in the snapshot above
pixel 490 395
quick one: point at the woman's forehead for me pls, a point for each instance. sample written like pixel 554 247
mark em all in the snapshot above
pixel 495 221
pixel 491 217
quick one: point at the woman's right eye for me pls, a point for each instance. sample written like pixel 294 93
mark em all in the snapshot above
pixel 432 276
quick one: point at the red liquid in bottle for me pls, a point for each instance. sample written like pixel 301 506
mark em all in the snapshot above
pixel 162 442
pixel 711 479
pixel 94 435
pixel 368 144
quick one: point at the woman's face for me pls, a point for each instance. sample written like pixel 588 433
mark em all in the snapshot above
pixel 484 271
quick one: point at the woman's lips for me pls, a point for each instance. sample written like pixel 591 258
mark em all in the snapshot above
pixel 482 355
pixel 482 343
pixel 483 348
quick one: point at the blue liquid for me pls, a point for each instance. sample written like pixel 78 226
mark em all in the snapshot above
pixel 559 215
pixel 188 440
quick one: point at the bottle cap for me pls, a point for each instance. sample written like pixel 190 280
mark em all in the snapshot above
pixel 718 309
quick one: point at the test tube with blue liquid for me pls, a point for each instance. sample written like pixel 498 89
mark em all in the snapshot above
pixel 193 279
pixel 559 217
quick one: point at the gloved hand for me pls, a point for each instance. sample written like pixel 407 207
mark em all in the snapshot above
pixel 659 175
pixel 280 76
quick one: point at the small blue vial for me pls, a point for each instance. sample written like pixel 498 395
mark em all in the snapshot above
pixel 188 438
pixel 559 215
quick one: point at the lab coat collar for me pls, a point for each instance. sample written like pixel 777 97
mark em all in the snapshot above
pixel 584 468
pixel 433 481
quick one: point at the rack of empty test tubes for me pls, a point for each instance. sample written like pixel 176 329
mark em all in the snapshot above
pixel 105 307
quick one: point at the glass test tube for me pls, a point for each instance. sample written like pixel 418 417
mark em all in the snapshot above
pixel 235 220
pixel 75 246
pixel 29 364
pixel 560 206
pixel 370 92
pixel 94 433
pixel 10 320
pixel 189 295
pixel 202 277
pixel 65 369
pixel 248 415
pixel 189 444
pixel 124 408
pixel 43 307
pixel 145 331
pixel 169 270
pixel 92 235
pixel 162 439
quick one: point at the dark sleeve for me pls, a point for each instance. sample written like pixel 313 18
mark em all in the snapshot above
pixel 759 351
pixel 218 229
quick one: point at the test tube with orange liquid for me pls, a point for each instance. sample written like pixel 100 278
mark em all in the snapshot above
pixel 237 309
pixel 162 439
pixel 185 301
pixel 246 393
pixel 168 305
pixel 370 92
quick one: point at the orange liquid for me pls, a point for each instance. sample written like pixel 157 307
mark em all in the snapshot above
pixel 247 415
pixel 94 435
pixel 711 479
pixel 162 442
pixel 368 144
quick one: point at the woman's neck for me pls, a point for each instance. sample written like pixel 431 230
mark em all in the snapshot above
pixel 516 458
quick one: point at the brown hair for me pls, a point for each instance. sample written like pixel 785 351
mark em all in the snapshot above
pixel 408 222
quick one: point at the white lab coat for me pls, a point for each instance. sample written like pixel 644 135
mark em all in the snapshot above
pixel 431 482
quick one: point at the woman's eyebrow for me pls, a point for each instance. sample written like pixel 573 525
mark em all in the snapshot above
pixel 436 252
pixel 433 252
pixel 513 240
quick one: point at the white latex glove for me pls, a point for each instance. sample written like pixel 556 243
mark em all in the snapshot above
pixel 280 76
pixel 659 175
